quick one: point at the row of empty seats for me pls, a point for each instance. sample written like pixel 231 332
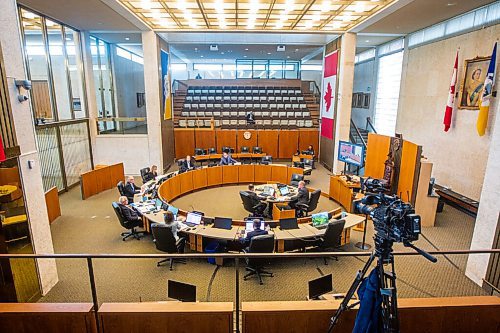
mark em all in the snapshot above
pixel 277 122
pixel 242 114
pixel 244 106
pixel 242 91
pixel 230 98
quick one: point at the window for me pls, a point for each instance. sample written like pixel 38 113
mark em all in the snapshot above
pixel 388 84
pixel 311 68
pixel 364 56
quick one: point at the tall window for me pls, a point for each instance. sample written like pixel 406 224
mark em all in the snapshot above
pixel 388 84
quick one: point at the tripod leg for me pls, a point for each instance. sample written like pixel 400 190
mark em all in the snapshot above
pixel 387 283
pixel 345 302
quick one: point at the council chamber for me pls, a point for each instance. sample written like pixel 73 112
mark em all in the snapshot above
pixel 249 166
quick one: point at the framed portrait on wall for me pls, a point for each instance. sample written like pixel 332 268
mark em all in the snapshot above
pixel 475 71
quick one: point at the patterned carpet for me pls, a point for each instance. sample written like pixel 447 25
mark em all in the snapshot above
pixel 90 226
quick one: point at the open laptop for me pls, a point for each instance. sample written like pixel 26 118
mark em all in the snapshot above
pixel 320 220
pixel 268 191
pixel 320 286
pixel 193 219
pixel 290 223
pixel 284 191
pixel 181 291
pixel 223 223
pixel 249 226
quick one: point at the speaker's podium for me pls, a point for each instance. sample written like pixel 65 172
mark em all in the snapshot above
pixel 282 211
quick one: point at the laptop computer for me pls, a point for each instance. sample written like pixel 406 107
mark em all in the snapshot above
pixel 290 223
pixel 174 210
pixel 193 219
pixel 223 223
pixel 284 190
pixel 320 286
pixel 320 220
pixel 181 291
pixel 249 226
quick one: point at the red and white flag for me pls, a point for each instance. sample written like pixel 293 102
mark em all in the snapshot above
pixel 329 89
pixel 451 97
pixel 2 151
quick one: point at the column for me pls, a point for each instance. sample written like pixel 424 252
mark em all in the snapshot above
pixel 489 208
pixel 344 96
pixel 10 40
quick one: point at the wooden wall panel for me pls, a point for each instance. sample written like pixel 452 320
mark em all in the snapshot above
pixel 262 173
pixel 204 138
pixel 279 173
pixel 184 142
pixel 268 141
pixel 252 142
pixel 186 182
pixel 199 178
pixel 47 317
pixel 410 161
pixel 246 173
pixel 309 137
pixel 52 203
pixel 288 143
pixel 41 98
pixel 214 176
pixel 376 155
pixel 225 138
pixel 104 178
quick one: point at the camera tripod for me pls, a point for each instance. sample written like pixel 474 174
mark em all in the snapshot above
pixel 388 309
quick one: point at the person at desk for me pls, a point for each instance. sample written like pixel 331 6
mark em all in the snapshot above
pixel 128 213
pixel 226 159
pixel 309 150
pixel 302 196
pixel 251 193
pixel 152 174
pixel 256 232
pixel 130 189
pixel 176 226
pixel 187 164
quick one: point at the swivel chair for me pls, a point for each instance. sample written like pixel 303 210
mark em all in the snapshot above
pixel 130 225
pixel 304 209
pixel 120 187
pixel 296 178
pixel 228 150
pixel 165 241
pixel 244 149
pixel 332 238
pixel 255 266
pixel 212 150
pixel 254 206
pixel 144 174
pixel 200 151
pixel 266 160
pixel 257 150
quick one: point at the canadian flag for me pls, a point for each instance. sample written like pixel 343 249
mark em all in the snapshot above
pixel 451 97
pixel 328 94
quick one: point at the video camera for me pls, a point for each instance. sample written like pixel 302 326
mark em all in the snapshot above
pixel 393 219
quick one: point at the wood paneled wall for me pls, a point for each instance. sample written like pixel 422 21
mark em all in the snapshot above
pixel 41 98
pixel 52 203
pixel 105 178
pixel 376 155
pixel 277 143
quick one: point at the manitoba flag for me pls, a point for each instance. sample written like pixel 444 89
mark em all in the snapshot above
pixel 484 103
pixel 451 97
pixel 328 94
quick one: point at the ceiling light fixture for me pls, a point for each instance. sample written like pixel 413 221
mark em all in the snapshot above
pixel 146 4
pixel 127 38
pixel 325 6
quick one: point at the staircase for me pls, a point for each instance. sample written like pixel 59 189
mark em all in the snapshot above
pixel 360 136
pixel 313 107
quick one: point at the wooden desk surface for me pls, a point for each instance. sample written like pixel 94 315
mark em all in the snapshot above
pixel 45 307
pixel 172 306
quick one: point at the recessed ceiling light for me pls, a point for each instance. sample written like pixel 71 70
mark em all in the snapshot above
pixel 244 56
pixel 246 49
pixel 367 41
pixel 451 4
pixel 222 53
pixel 268 52
pixel 201 56
pixel 296 50
pixel 127 38
pixel 288 57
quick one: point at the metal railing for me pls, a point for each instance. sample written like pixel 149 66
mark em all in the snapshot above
pixel 236 256
pixel 369 124
pixel 358 134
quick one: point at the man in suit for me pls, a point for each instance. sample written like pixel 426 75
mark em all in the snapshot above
pixel 128 213
pixel 302 196
pixel 187 164
pixel 256 232
pixel 226 159
pixel 130 189
pixel 257 198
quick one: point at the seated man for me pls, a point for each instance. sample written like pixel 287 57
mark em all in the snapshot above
pixel 310 150
pixel 187 164
pixel 302 196
pixel 226 159
pixel 263 205
pixel 128 213
pixel 256 232
pixel 130 189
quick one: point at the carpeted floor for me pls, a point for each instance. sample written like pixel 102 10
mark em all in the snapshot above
pixel 90 226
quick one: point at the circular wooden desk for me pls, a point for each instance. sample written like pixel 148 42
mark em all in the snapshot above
pixel 207 177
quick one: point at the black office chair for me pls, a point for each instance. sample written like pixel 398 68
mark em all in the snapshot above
pixel 120 186
pixel 257 150
pixel 255 266
pixel 130 225
pixel 296 178
pixel 144 174
pixel 254 206
pixel 266 160
pixel 165 241
pixel 212 150
pixel 308 163
pixel 200 151
pixel 332 238
pixel 228 150
pixel 244 149
pixel 304 209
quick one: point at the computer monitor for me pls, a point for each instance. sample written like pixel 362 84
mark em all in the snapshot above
pixel 193 218
pixel 181 291
pixel 284 190
pixel 223 223
pixel 249 225
pixel 320 286
pixel 351 153
pixel 268 190
pixel 158 203
pixel 290 223
pixel 173 210
pixel 319 219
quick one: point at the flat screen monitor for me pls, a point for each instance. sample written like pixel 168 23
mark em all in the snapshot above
pixel 223 223
pixel 268 190
pixel 158 203
pixel 181 291
pixel 173 210
pixel 284 190
pixel 193 218
pixel 291 223
pixel 249 225
pixel 351 153
pixel 320 286
pixel 319 219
